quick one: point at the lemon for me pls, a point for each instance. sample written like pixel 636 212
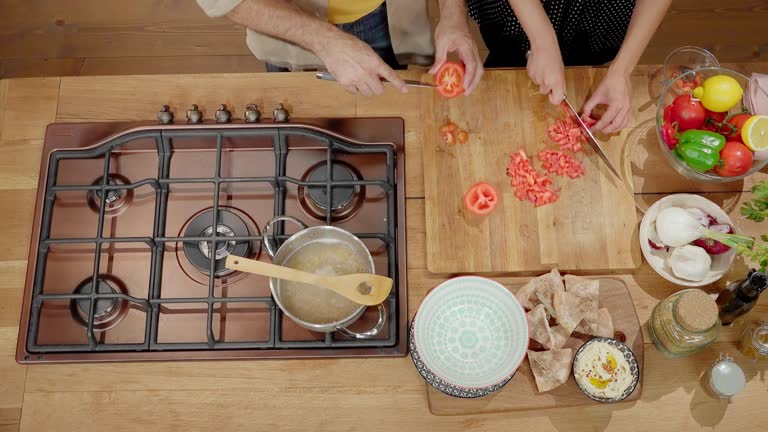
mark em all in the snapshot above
pixel 719 93
pixel 755 132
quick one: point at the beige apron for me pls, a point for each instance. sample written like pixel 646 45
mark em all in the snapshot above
pixel 409 29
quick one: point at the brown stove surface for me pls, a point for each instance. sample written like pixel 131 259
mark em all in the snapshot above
pixel 143 236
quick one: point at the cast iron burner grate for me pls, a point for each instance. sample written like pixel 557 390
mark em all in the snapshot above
pixel 93 307
pixel 199 253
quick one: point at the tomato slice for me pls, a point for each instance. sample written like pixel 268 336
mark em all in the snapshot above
pixel 481 199
pixel 449 79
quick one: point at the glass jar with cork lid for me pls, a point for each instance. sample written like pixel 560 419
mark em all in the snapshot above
pixel 684 323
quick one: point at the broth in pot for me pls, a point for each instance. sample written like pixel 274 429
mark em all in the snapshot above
pixel 317 305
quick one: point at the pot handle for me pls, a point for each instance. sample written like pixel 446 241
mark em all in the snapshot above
pixel 370 333
pixel 267 231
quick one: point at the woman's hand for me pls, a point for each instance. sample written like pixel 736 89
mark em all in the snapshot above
pixel 615 91
pixel 545 68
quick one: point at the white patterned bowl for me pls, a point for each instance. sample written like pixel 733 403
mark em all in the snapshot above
pixel 471 333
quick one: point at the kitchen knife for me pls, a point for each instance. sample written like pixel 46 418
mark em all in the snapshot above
pixel 325 75
pixel 591 138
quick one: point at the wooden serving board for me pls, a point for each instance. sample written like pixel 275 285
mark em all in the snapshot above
pixel 520 394
pixel 593 226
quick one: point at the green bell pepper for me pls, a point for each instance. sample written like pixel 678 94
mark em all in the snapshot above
pixel 700 149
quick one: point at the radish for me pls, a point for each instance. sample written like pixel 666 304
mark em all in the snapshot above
pixel 714 247
pixel 677 227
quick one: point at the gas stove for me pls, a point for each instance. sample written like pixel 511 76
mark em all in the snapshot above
pixel 133 223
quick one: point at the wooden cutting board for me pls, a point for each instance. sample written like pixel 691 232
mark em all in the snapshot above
pixel 593 226
pixel 520 393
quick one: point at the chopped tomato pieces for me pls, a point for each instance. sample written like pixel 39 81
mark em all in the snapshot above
pixel 451 133
pixel 528 183
pixel 561 163
pixel 567 134
pixel 481 199
pixel 449 127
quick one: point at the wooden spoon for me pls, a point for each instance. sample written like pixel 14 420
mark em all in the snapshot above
pixel 363 288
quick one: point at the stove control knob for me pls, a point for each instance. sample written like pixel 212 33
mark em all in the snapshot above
pixel 280 114
pixel 194 116
pixel 252 114
pixel 165 116
pixel 223 115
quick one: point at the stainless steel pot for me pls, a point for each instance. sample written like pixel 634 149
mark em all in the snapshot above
pixel 327 235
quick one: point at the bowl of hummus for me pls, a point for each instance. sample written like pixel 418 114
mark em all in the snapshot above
pixel 606 370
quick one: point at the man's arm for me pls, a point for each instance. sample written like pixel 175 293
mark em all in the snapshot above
pixel 351 62
pixel 283 20
pixel 452 34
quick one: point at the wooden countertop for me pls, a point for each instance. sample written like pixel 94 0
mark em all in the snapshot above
pixel 338 394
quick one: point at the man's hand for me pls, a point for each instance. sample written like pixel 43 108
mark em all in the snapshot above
pixel 452 35
pixel 545 68
pixel 615 91
pixel 356 66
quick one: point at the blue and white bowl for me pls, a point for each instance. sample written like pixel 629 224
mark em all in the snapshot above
pixel 469 336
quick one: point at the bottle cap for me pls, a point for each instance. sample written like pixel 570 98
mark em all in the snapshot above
pixel 760 338
pixel 759 281
pixel 726 378
pixel 696 311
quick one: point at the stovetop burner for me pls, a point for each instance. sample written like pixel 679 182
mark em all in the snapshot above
pixel 343 201
pixel 117 200
pixel 229 225
pixel 132 228
pixel 107 312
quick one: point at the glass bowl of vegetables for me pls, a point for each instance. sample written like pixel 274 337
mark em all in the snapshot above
pixel 701 129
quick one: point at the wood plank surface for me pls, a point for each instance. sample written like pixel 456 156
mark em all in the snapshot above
pixel 26 107
pixel 595 212
pixel 307 395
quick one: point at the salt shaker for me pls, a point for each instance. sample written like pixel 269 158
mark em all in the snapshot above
pixel 725 378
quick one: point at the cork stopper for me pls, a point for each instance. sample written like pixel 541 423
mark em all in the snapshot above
pixel 696 311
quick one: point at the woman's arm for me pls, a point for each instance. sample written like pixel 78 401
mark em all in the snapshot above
pixel 545 62
pixel 615 89
pixel 645 20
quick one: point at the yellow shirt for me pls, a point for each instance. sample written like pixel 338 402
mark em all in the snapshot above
pixel 346 11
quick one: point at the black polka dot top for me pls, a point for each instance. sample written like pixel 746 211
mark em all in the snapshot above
pixel 589 31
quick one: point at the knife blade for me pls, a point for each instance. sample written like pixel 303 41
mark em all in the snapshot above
pixel 591 139
pixel 325 75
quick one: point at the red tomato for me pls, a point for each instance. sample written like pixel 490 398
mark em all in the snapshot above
pixel 687 113
pixel 735 160
pixel 713 120
pixel 733 132
pixel 481 199
pixel 449 138
pixel 449 78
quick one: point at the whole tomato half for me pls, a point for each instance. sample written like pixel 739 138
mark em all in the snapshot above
pixel 735 160
pixel 449 79
pixel 686 112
